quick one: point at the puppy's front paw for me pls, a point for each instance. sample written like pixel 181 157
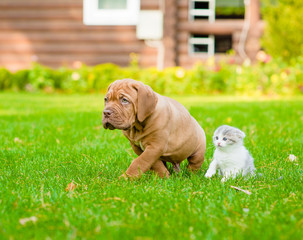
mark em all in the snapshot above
pixel 123 177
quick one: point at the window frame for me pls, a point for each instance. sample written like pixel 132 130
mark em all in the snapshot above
pixel 208 41
pixel 92 15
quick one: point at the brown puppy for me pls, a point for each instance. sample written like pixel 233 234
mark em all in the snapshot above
pixel 158 128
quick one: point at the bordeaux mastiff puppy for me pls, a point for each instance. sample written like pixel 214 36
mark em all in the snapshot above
pixel 158 128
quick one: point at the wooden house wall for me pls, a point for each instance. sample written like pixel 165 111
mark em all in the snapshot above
pixel 231 27
pixel 52 33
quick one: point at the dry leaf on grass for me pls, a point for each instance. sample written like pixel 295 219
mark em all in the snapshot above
pixel 32 219
pixel 98 127
pixel 242 190
pixel 114 198
pixel 70 187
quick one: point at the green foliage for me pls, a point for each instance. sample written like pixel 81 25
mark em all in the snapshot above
pixel 283 36
pixel 5 79
pixel 269 77
pixel 20 79
pixel 49 141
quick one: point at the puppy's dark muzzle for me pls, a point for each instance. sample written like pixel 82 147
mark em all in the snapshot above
pixel 109 126
pixel 111 120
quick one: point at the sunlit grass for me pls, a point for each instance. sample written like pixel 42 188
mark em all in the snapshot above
pixel 49 141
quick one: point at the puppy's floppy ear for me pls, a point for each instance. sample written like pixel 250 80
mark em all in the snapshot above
pixel 147 101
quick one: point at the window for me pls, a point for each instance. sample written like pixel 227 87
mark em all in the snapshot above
pixel 201 44
pixel 230 9
pixel 209 44
pixel 223 43
pixel 111 12
pixel 216 9
pixel 210 10
pixel 202 9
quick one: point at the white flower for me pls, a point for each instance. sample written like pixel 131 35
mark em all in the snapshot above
pixel 292 158
pixel 17 140
pixel 246 62
pixel 246 210
pixel 75 76
pixel 180 73
pixel 238 70
pixel 261 56
pixel 32 219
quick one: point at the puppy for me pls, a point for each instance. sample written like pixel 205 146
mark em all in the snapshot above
pixel 158 128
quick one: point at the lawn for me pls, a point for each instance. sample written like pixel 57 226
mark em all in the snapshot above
pixel 50 141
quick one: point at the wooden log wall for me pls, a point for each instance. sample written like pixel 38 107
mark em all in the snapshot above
pixel 231 27
pixel 186 28
pixel 51 32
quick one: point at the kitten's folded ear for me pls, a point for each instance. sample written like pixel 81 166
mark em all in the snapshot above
pixel 241 134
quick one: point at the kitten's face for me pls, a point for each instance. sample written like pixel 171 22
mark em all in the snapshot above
pixel 226 136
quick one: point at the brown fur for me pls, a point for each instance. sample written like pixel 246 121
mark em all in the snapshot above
pixel 158 128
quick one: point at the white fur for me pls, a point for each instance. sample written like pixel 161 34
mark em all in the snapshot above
pixel 230 160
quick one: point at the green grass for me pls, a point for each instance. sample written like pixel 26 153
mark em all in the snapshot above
pixel 48 141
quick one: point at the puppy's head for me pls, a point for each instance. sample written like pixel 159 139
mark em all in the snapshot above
pixel 126 102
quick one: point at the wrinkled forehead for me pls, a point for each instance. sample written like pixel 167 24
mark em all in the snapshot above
pixel 122 88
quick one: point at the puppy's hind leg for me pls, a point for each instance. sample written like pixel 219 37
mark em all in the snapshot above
pixel 195 161
pixel 176 167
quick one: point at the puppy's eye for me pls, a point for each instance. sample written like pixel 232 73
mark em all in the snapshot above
pixel 124 101
pixel 105 99
pixel 217 138
pixel 224 139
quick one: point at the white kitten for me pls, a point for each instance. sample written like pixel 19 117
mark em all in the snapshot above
pixel 230 157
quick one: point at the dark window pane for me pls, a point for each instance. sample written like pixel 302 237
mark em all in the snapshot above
pixel 200 48
pixel 223 43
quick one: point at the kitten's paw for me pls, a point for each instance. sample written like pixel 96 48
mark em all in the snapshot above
pixel 224 179
pixel 208 174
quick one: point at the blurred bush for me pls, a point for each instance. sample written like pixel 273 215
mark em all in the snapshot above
pixel 283 34
pixel 266 77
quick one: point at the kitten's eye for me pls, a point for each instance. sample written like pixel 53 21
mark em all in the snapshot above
pixel 124 101
pixel 217 138
pixel 105 99
pixel 224 139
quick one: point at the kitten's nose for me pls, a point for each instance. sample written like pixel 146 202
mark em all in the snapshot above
pixel 219 144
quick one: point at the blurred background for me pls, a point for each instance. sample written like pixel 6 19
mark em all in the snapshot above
pixel 191 36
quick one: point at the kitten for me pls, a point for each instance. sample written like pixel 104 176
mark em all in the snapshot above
pixel 230 156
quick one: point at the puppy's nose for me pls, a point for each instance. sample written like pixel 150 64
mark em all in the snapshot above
pixel 107 112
